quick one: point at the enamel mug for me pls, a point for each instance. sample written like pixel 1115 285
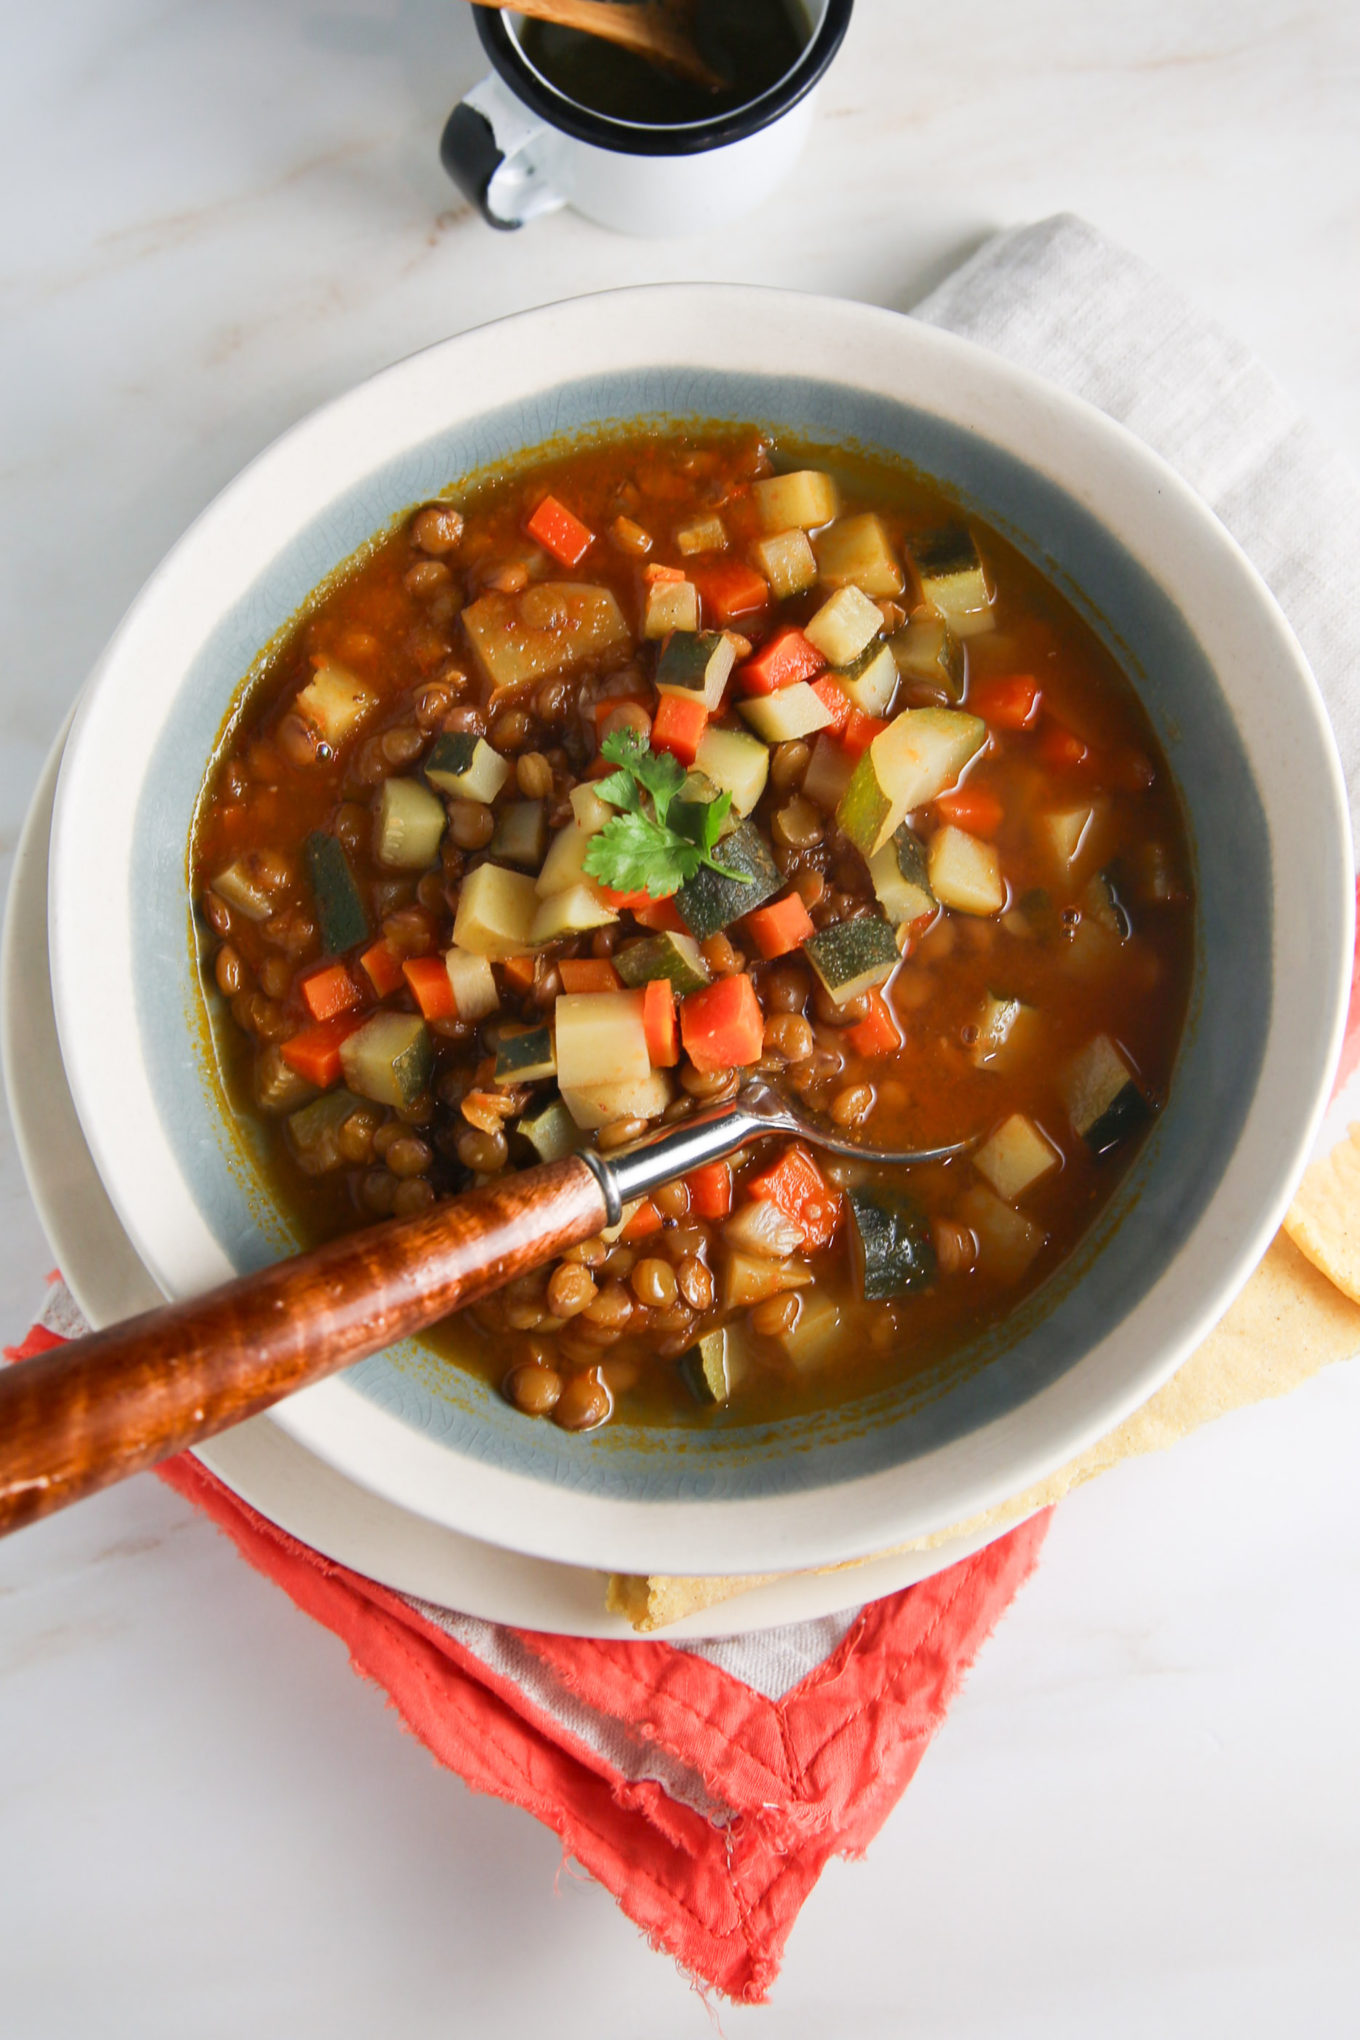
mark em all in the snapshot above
pixel 519 147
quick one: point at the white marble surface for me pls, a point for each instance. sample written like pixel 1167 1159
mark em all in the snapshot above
pixel 1143 1814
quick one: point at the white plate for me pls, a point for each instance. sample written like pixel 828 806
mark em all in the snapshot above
pixel 259 1461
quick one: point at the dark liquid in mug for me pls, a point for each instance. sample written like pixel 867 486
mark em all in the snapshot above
pixel 751 44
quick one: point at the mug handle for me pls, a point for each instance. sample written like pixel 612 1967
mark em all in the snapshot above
pixel 488 148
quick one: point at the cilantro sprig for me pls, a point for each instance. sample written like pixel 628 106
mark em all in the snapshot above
pixel 655 844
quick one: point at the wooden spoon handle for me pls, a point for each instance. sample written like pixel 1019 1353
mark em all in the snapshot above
pixel 86 1414
pixel 649 28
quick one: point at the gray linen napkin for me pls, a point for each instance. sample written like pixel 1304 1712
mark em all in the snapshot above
pixel 1079 310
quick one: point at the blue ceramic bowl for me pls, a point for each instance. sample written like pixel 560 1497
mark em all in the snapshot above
pixel 1235 709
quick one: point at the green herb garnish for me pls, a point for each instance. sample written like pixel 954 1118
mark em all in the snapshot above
pixel 644 849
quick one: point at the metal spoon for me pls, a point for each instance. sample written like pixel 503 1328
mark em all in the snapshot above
pixel 86 1414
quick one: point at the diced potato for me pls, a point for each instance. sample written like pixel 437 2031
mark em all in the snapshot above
pixel 806 499
pixel 592 814
pixel 829 773
pixel 816 1333
pixel 871 681
pixel 1007 1240
pixel 1015 1156
pixel 843 626
pixel 1072 836
pixel 565 863
pixel 1005 1030
pixel 473 982
pixel 243 888
pixel 856 553
pixel 735 763
pixel 793 712
pixel 787 561
pixel 671 605
pixel 495 912
pixel 547 627
pixel 965 873
pixel 750 1278
pixel 706 534
pixel 596 1105
pixel 334 703
pixel 601 1039
pixel 569 912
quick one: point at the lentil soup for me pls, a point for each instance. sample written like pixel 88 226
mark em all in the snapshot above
pixel 633 769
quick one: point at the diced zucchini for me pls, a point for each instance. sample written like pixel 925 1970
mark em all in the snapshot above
pixel 521 833
pixel 1007 1240
pixel 389 1059
pixel 843 626
pixel 856 552
pixel 750 1278
pixel 703 1367
pixel 851 956
pixel 673 957
pixel 901 879
pixel 793 712
pixel 706 534
pixel 816 1335
pixel 596 1105
pixel 565 863
pixel 1005 1027
pixel 315 1130
pixel 1102 1097
pixel 952 579
pixel 592 814
pixel 495 912
pixel 695 665
pixel 921 752
pixel 965 872
pixel 473 982
pixel 711 902
pixel 601 1039
pixel 334 703
pixel 243 888
pixel 870 680
pixel 927 654
pixel 569 912
pixel 806 499
pixel 671 605
pixel 1015 1156
pixel 893 1249
pixel 830 770
pixel 466 766
pixel 699 788
pixel 525 1057
pixel 550 1130
pixel 339 907
pixel 410 825
pixel 735 763
pixel 1146 873
pixel 787 561
pixel 546 627
pixel 1100 902
pixel 1072 836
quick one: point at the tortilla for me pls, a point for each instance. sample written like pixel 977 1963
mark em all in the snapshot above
pixel 1324 1219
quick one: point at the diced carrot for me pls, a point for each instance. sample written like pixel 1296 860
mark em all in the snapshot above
pixel 835 701
pixel 678 726
pixel 1011 704
pixel 660 916
pixel 729 588
pixel 329 991
pixel 974 808
pixel 560 532
pixel 606 705
pixel 781 926
pixel 646 1219
pixel 860 731
pixel 314 1053
pixel 722 1026
pixel 637 904
pixel 710 1190
pixel 796 1186
pixel 877 1033
pixel 428 978
pixel 786 657
pixel 654 572
pixel 659 1024
pixel 588 974
pixel 519 972
pixel 1060 746
pixel 382 969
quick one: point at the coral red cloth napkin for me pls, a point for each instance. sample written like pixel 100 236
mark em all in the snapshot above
pixel 706 1801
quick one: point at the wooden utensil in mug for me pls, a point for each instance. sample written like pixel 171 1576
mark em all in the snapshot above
pixel 655 29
